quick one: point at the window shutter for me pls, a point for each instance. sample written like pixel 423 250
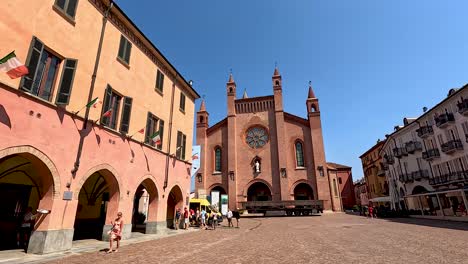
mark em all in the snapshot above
pixel 33 60
pixel 126 111
pixel 106 105
pixel 184 137
pixel 60 3
pixel 148 128
pixel 182 101
pixel 66 82
pixel 122 47
pixel 179 142
pixel 128 49
pixel 161 133
pixel 71 7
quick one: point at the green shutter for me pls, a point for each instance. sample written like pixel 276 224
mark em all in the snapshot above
pixel 126 111
pixel 161 132
pixel 66 82
pixel 184 138
pixel 33 60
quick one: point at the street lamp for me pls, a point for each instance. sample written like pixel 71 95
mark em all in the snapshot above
pixel 231 175
pixel 199 177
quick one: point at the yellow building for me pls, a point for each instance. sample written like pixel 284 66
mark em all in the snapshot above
pixel 374 174
pixel 85 164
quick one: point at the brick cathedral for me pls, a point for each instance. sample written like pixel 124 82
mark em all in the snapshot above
pixel 259 152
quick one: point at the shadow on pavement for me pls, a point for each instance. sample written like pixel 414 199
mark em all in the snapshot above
pixel 431 223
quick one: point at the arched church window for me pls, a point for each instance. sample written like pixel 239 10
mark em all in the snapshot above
pixel 277 83
pixel 313 108
pixel 217 159
pixel 230 89
pixel 201 119
pixel 299 154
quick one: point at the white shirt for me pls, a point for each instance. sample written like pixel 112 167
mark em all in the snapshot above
pixel 229 214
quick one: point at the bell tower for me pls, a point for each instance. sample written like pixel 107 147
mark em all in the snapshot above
pixel 319 166
pixel 231 95
pixel 230 146
pixel 202 140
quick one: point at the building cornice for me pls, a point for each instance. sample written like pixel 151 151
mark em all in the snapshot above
pixel 122 22
pixel 291 117
pixel 216 126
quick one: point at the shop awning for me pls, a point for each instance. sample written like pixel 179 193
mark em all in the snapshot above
pixel 203 202
pixel 380 199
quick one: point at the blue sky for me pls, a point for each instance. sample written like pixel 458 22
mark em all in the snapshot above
pixel 371 63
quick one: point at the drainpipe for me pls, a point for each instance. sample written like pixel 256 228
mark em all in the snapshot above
pixel 91 88
pixel 171 113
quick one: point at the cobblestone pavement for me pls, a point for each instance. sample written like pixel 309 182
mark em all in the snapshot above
pixel 331 238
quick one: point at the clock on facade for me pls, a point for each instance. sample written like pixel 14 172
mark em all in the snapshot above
pixel 256 137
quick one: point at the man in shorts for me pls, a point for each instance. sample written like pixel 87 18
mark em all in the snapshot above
pixel 229 218
pixel 236 215
pixel 203 218
pixel 177 219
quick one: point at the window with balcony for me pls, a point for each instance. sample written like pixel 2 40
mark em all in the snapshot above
pixel 125 49
pixel 67 7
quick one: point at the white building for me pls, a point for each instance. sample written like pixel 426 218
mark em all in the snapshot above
pixel 426 160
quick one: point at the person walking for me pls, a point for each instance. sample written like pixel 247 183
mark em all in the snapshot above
pixel 229 218
pixel 177 219
pixel 203 218
pixel 116 232
pixel 236 215
pixel 186 218
pixel 371 211
pixel 197 217
pixel 215 219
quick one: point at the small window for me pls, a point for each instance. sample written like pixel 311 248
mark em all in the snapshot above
pixel 299 155
pixel 335 189
pixel 182 102
pixel 125 48
pixel 339 180
pixel 126 111
pixel 67 6
pixel 154 131
pixel 110 109
pixel 217 159
pixel 181 144
pixel 160 81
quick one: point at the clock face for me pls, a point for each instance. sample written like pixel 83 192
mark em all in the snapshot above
pixel 256 137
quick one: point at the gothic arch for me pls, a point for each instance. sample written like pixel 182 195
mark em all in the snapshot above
pixel 42 157
pixel 247 186
pixel 146 178
pixel 217 185
pixel 294 185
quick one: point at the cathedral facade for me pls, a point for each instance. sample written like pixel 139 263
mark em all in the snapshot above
pixel 259 152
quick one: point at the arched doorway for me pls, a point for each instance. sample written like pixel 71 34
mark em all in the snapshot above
pixel 26 183
pixel 174 200
pixel 97 205
pixel 303 191
pixel 216 197
pixel 145 206
pixel 258 191
pixel 419 189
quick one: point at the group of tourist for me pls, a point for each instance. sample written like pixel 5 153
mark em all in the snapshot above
pixel 204 219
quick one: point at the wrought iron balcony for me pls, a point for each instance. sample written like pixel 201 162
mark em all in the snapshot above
pixel 399 152
pixel 388 159
pixel 458 176
pixel 444 119
pixel 463 107
pixel 413 146
pixel 452 146
pixel 420 174
pixel 405 177
pixel 425 131
pixel 431 154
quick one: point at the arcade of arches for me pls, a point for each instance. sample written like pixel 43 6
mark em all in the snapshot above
pixel 26 181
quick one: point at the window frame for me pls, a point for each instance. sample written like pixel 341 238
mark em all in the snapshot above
pixel 115 113
pixel 218 166
pixel 63 11
pixel 126 101
pixel 59 88
pixel 127 44
pixel 159 123
pixel 182 102
pixel 159 82
pixel 298 141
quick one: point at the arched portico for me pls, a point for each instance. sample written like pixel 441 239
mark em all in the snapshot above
pixel 175 200
pixel 145 207
pixel 28 181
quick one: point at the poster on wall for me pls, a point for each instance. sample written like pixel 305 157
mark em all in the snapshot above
pixel 215 199
pixel 224 204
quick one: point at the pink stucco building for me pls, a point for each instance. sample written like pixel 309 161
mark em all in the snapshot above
pixel 79 164
pixel 260 152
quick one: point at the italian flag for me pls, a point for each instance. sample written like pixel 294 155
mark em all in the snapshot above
pixel 12 66
pixel 156 138
pixel 108 113
pixel 94 103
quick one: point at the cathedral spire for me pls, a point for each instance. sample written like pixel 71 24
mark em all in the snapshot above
pixel 231 79
pixel 311 92
pixel 245 94
pixel 276 72
pixel 202 106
